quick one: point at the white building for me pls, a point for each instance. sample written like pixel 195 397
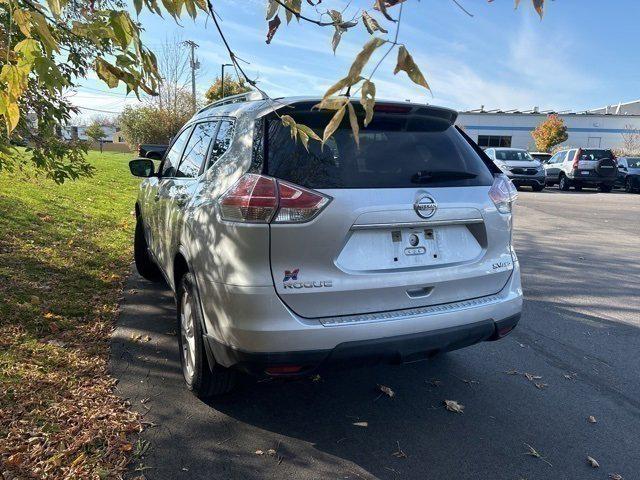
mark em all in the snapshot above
pixel 599 128
pixel 70 132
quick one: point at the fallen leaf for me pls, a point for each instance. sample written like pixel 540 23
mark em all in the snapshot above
pixel 259 452
pixel 316 378
pixel 399 453
pixel 512 372
pixel 615 476
pixel 386 390
pixel 531 377
pixel 271 452
pixel 453 406
pixel 593 462
pixel 540 386
pixel 361 424
pixel 591 419
pixel 534 453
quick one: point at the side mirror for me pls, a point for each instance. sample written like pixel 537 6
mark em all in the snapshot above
pixel 142 167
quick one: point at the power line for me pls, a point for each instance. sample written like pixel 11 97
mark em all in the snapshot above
pixel 97 110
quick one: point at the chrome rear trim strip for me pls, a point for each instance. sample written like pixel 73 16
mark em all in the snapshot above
pixel 409 313
pixel 367 226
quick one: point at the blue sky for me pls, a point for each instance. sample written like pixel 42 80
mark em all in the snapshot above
pixel 582 55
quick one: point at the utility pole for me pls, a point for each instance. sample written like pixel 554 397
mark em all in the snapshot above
pixel 222 79
pixel 195 65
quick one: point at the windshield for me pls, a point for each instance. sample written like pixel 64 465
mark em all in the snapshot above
pixel 595 154
pixel 513 155
pixel 633 162
pixel 396 151
pixel 541 156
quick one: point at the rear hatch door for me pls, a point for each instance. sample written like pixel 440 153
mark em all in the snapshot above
pixel 409 223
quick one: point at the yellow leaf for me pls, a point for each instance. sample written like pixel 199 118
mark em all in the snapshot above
pixel 12 116
pixel 368 100
pixel 332 103
pixel 54 6
pixel 22 18
pixel 406 63
pixel 371 24
pixel 358 64
pixel 333 125
pixel 308 132
pixel 363 57
pixel 353 121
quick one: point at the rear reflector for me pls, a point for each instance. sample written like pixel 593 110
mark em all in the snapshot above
pixel 283 369
pixel 261 199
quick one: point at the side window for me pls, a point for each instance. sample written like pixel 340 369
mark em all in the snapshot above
pixel 569 155
pixel 195 152
pixel 223 140
pixel 173 155
pixel 490 153
pixel 562 156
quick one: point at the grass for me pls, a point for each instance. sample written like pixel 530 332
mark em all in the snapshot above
pixel 65 251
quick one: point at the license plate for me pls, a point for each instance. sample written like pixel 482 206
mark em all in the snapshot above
pixel 413 242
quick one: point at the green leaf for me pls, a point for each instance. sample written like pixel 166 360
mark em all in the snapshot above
pixel 138 6
pixel 122 27
pixel 272 9
pixel 107 72
pixel 44 33
pixel 54 6
pixel 29 48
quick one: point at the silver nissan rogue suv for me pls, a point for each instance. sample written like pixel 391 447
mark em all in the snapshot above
pixel 287 259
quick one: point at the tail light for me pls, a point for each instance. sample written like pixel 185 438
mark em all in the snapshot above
pixel 261 199
pixel 576 159
pixel 503 193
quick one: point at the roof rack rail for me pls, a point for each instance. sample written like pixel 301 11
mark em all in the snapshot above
pixel 241 97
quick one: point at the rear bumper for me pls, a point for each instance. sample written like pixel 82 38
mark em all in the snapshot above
pixel 250 328
pixel 528 180
pixel 398 349
pixel 592 179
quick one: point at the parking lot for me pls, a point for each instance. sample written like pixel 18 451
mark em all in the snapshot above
pixel 574 355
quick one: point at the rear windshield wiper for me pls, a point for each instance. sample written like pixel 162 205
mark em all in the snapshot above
pixel 426 176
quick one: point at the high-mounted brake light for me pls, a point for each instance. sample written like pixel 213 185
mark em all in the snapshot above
pixel 503 193
pixel 261 199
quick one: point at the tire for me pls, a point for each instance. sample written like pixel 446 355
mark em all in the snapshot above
pixel 628 186
pixel 203 379
pixel 604 188
pixel 144 263
pixel 564 183
pixel 537 188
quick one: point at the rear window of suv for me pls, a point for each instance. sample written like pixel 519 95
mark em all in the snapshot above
pixel 396 151
pixel 591 154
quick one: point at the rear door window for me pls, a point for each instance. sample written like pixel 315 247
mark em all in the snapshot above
pixel 196 150
pixel 173 155
pixel 595 154
pixel 223 140
pixel 396 151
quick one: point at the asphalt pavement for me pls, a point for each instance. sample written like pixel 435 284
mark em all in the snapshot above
pixel 578 341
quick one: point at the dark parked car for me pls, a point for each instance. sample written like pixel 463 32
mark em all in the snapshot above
pixel 155 152
pixel 582 167
pixel 629 174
